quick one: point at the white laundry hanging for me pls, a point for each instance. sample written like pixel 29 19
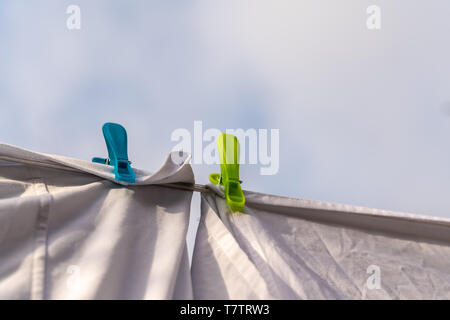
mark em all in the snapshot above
pixel 284 248
pixel 68 232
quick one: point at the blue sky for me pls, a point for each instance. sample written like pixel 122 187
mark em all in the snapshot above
pixel 363 115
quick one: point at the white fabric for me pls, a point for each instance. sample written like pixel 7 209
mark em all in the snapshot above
pixel 284 248
pixel 68 232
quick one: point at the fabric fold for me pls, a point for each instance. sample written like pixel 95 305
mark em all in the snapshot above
pixel 69 231
pixel 176 167
pixel 303 249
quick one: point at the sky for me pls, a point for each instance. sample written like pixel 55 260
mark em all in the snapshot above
pixel 363 115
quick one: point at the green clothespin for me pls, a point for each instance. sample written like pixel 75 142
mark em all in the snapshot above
pixel 228 146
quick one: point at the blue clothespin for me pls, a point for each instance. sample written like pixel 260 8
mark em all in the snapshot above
pixel 116 142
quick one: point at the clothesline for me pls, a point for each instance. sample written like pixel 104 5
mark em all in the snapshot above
pixel 191 187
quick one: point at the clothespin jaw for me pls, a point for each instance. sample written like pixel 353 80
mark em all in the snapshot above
pixel 228 146
pixel 116 142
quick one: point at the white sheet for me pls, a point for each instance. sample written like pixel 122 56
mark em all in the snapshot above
pixel 284 248
pixel 68 232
